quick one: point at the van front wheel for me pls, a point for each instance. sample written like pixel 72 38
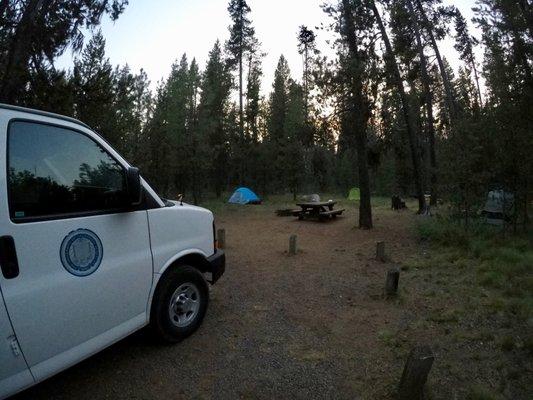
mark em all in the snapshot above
pixel 179 304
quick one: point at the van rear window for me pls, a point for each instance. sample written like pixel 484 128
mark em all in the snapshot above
pixel 54 170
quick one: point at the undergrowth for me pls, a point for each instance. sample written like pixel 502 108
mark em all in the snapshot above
pixel 502 262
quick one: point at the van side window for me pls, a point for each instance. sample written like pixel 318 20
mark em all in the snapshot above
pixel 56 171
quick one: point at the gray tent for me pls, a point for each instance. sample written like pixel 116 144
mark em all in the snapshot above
pixel 498 207
pixel 311 198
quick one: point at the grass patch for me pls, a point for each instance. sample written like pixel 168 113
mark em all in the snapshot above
pixel 476 392
pixel 483 335
pixel 270 203
pixel 501 263
pixel 389 338
pixel 446 316
pixel 528 345
pixel 507 343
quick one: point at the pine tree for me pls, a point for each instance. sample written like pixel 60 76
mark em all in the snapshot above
pixel 464 44
pixel 508 40
pixel 393 69
pixel 158 151
pixel 279 99
pixel 356 22
pixel 130 103
pixel 178 102
pixel 195 148
pixel 253 98
pixel 141 110
pixel 306 47
pixel 93 87
pixel 49 89
pixel 429 27
pixel 37 30
pixel 215 88
pixel 276 123
pixel 295 122
pixel 428 100
pixel 241 42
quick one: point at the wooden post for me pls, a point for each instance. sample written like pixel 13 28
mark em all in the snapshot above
pixel 380 251
pixel 292 245
pixel 391 284
pixel 415 373
pixel 221 238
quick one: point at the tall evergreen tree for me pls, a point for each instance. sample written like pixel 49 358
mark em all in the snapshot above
pixel 508 40
pixel 277 119
pixel 355 23
pixel 393 69
pixel 131 104
pixel 195 148
pixel 430 27
pixel 168 128
pixel 177 107
pixel 93 86
pixel 295 122
pixel 253 97
pixel 140 101
pixel 241 42
pixel 464 44
pixel 279 99
pixel 428 100
pixel 306 46
pixel 213 107
pixel 158 151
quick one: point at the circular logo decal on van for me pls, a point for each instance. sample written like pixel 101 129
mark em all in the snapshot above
pixel 81 252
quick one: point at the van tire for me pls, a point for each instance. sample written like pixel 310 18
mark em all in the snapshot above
pixel 179 304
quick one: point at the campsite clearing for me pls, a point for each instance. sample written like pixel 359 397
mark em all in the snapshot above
pixel 316 325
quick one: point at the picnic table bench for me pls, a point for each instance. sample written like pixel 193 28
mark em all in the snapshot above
pixel 321 210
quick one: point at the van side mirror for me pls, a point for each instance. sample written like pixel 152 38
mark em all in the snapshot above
pixel 133 186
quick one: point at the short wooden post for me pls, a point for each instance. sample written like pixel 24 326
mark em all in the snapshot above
pixel 380 251
pixel 391 284
pixel 221 238
pixel 415 373
pixel 292 245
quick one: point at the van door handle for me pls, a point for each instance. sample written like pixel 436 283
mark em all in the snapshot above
pixel 8 257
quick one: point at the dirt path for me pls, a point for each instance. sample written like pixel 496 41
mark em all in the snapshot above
pixel 311 326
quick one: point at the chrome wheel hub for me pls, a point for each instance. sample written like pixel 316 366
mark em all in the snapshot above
pixel 184 305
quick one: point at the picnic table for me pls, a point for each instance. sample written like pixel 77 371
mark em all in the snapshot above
pixel 321 210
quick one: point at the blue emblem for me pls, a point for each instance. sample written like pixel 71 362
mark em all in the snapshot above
pixel 81 252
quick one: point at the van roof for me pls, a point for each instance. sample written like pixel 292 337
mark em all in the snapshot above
pixel 43 113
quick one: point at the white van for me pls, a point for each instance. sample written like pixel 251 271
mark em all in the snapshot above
pixel 89 253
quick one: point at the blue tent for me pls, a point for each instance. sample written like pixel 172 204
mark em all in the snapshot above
pixel 244 196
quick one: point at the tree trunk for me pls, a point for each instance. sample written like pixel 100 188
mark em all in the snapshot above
pixel 241 54
pixel 306 82
pixel 450 99
pixel 361 113
pixel 428 97
pixel 476 77
pixel 407 112
pixel 241 105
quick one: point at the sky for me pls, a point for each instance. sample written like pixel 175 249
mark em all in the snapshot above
pixel 152 34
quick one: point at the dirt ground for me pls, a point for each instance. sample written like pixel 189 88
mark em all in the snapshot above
pixel 310 326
